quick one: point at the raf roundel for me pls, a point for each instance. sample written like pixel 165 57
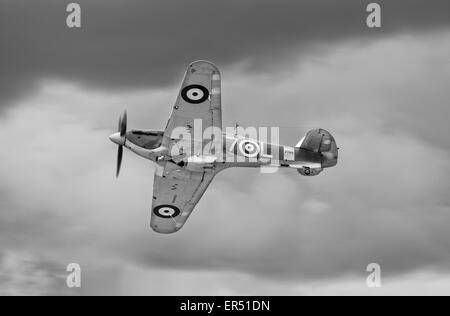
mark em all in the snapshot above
pixel 249 148
pixel 166 211
pixel 195 94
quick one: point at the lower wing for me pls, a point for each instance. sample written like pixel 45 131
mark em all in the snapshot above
pixel 176 191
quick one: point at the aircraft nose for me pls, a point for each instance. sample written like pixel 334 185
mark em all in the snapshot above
pixel 116 139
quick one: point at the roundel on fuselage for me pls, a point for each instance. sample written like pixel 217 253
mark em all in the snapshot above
pixel 249 148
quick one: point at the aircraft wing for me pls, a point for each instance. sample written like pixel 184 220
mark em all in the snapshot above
pixel 199 98
pixel 176 191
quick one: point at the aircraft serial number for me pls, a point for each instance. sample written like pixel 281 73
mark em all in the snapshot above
pixel 247 306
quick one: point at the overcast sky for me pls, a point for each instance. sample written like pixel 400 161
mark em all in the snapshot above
pixel 298 65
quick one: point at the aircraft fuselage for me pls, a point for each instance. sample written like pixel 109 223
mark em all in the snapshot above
pixel 315 152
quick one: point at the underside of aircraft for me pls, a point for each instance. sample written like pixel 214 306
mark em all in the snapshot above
pixel 193 148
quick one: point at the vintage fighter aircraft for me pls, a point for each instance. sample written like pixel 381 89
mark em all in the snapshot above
pixel 186 163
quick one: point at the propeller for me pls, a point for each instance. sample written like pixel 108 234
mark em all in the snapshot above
pixel 120 138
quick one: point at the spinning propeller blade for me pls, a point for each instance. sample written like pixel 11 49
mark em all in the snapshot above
pixel 122 131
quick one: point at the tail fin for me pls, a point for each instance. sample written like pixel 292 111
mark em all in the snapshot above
pixel 322 142
pixel 317 140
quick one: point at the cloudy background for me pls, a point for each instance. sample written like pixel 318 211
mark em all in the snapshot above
pixel 298 65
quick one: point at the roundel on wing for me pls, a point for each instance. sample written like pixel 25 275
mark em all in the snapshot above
pixel 249 148
pixel 195 94
pixel 166 211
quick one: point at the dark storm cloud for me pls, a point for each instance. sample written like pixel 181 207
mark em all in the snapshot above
pixel 132 44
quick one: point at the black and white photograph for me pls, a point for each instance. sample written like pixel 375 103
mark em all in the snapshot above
pixel 226 151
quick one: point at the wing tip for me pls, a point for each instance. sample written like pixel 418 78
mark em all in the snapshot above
pixel 165 230
pixel 206 63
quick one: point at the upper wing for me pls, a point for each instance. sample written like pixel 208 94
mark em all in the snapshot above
pixel 176 191
pixel 199 98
